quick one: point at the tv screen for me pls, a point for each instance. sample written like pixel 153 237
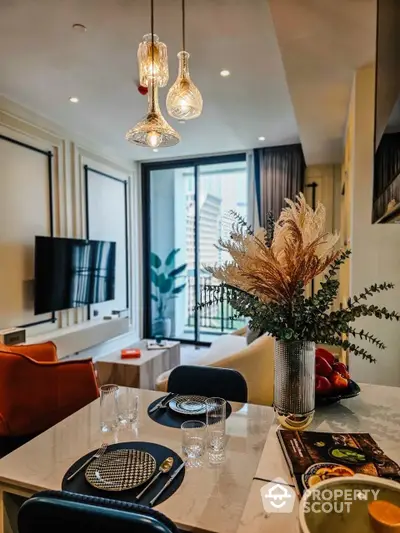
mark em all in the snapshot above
pixel 72 273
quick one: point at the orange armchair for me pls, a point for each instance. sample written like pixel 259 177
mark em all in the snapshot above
pixel 37 391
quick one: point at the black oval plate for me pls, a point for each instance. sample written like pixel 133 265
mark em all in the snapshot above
pixel 352 390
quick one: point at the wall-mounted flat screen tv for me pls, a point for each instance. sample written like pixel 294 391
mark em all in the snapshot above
pixel 73 273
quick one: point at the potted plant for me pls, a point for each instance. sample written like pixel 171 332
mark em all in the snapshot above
pixel 265 280
pixel 163 279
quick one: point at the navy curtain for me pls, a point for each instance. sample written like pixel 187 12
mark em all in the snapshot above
pixel 279 173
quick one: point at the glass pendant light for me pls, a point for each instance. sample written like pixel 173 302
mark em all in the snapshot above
pixel 149 69
pixel 184 100
pixel 153 130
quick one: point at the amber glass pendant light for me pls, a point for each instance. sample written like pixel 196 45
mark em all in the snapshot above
pixel 149 69
pixel 184 100
pixel 153 130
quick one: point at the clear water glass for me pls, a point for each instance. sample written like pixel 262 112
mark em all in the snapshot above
pixel 216 436
pixel 193 441
pixel 128 406
pixel 108 407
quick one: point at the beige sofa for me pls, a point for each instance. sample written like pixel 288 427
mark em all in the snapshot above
pixel 254 361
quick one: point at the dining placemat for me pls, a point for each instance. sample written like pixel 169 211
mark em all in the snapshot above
pixel 81 486
pixel 168 417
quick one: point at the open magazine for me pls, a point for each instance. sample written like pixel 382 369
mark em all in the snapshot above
pixel 315 456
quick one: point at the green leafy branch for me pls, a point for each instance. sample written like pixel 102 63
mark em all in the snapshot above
pixel 309 318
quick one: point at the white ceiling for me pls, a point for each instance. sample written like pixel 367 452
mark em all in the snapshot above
pixel 292 65
pixel 47 61
pixel 323 43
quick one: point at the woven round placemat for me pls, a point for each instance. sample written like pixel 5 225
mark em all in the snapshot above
pixel 80 485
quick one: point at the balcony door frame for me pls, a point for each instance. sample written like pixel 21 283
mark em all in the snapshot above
pixel 146 169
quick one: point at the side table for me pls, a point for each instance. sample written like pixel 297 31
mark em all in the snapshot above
pixel 142 372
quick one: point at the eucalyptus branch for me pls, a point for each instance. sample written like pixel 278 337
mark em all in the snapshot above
pixel 370 291
pixel 366 336
pixel 269 228
pixel 240 223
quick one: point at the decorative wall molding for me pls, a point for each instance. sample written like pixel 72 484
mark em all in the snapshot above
pixel 70 154
pixel 124 183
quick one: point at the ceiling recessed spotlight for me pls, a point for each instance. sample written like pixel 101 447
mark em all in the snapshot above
pixel 79 27
pixel 155 149
pixel 74 99
pixel 261 138
pixel 225 73
pixel 182 122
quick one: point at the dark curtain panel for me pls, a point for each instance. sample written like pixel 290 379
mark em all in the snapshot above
pixel 387 163
pixel 279 174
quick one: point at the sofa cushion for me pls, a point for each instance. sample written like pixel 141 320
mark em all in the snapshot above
pixel 223 347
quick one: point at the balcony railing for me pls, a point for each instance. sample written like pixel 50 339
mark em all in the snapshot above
pixel 217 318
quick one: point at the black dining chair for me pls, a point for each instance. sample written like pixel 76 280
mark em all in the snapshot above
pixel 208 381
pixel 59 512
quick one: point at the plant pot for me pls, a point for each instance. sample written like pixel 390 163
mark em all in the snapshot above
pixel 294 383
pixel 162 327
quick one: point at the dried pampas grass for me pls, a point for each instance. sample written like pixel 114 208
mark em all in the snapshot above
pixel 300 250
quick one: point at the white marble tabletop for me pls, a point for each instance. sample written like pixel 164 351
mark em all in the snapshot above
pixel 211 498
pixel 376 411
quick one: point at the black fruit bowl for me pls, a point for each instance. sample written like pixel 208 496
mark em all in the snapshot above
pixel 352 390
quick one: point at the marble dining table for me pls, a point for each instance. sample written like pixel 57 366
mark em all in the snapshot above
pixel 211 498
pixel 222 498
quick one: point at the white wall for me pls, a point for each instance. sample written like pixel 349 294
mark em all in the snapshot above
pixel 106 204
pixel 24 211
pixel 327 178
pixel 376 248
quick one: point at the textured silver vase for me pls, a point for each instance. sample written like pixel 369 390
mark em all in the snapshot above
pixel 294 383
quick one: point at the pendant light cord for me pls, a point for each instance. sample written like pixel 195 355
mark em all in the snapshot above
pixel 183 26
pixel 152 53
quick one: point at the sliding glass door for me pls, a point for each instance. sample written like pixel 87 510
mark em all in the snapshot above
pixel 186 208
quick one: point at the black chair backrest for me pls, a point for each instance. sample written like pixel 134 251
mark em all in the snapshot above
pixel 59 512
pixel 208 381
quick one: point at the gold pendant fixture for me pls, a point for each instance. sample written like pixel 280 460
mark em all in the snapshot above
pixel 184 100
pixel 153 130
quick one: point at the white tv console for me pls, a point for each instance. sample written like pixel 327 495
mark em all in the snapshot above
pixel 79 337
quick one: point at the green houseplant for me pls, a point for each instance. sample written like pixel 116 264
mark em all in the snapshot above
pixel 164 277
pixel 266 279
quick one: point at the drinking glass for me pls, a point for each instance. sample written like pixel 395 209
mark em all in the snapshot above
pixel 193 441
pixel 216 417
pixel 108 407
pixel 128 404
